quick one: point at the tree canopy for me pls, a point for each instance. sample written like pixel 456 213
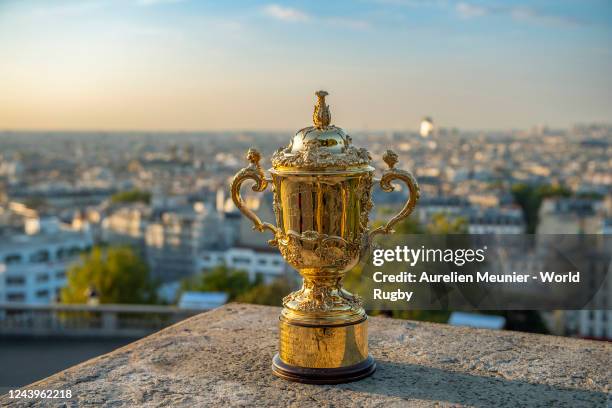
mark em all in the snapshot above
pixel 221 279
pixel 271 294
pixel 237 285
pixel 132 196
pixel 117 274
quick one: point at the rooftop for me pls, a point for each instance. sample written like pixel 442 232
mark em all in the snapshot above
pixel 222 358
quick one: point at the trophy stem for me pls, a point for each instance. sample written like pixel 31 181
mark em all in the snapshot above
pixel 322 300
pixel 323 334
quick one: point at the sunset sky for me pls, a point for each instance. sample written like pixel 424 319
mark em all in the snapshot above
pixel 213 65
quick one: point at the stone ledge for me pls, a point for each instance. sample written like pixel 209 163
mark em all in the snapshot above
pixel 223 358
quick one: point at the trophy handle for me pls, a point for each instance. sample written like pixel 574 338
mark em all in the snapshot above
pixel 390 157
pixel 252 172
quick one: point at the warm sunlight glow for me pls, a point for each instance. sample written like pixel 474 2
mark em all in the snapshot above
pixel 170 64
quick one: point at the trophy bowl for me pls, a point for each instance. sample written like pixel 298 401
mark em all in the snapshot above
pixel 322 188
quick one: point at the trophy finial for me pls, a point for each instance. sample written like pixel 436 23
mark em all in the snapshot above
pixel 321 116
pixel 390 157
pixel 253 156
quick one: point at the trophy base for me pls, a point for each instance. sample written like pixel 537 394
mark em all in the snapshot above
pixel 323 353
pixel 323 375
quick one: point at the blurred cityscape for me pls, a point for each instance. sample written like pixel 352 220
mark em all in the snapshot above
pixel 159 204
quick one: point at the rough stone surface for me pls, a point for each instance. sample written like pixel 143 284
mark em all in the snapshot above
pixel 222 358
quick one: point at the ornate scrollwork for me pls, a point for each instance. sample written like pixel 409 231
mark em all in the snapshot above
pixel 365 201
pixel 313 157
pixel 330 251
pixel 252 172
pixel 391 158
pixel 317 297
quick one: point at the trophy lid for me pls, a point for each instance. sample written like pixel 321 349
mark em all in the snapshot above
pixel 322 147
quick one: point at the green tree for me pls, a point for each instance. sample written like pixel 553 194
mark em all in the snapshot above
pixel 271 294
pixel 132 196
pixel 220 279
pixel 117 274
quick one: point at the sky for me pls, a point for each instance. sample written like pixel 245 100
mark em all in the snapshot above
pixel 186 65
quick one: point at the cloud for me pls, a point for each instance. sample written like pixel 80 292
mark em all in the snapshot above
pixel 519 13
pixel 530 15
pixel 466 10
pixel 293 15
pixel 286 13
pixel 156 2
pixel 414 3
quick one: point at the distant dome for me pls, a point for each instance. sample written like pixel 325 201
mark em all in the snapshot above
pixel 427 127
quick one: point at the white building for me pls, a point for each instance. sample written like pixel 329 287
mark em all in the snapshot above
pixel 591 324
pixel 594 324
pixel 427 127
pixel 606 226
pixel 598 323
pixel 266 265
pixel 12 170
pixel 559 215
pixel 126 226
pixel 33 265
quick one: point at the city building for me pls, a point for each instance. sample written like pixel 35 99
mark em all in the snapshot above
pixel 497 221
pixel 33 264
pixel 126 226
pixel 191 224
pixel 176 239
pixel 606 226
pixel 265 266
pixel 170 245
pixel 560 215
pixel 60 195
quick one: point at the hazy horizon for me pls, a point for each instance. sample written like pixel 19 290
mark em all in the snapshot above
pixel 279 131
pixel 187 66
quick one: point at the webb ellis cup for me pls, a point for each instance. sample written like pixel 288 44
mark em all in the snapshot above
pixel 322 187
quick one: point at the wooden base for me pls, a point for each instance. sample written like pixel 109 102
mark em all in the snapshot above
pixel 323 375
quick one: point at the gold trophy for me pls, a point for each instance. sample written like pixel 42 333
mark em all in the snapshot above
pixel 322 198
